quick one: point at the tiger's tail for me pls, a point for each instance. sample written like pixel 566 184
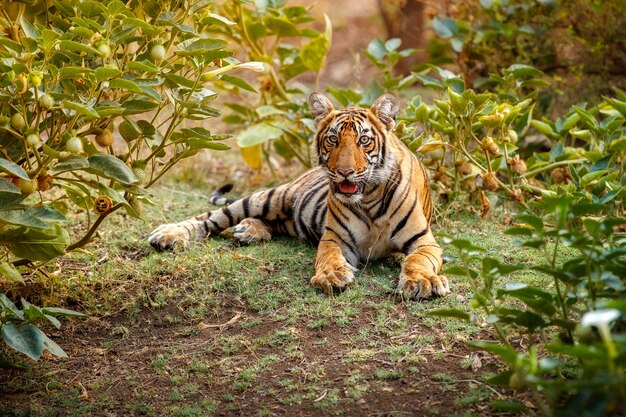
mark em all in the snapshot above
pixel 217 197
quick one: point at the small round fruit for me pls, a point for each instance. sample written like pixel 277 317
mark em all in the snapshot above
pixel 44 182
pixel 104 49
pixel 157 52
pixel 34 78
pixel 141 175
pixel 18 121
pixel 102 204
pixel 136 205
pixel 105 138
pixel 33 140
pixel 74 145
pixel 46 101
pixel 26 186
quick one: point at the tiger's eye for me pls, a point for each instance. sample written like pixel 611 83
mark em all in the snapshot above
pixel 364 140
pixel 333 140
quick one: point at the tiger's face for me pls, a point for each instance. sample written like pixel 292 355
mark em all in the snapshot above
pixel 351 143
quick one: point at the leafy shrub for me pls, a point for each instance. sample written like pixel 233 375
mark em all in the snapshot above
pixel 562 38
pixel 274 120
pixel 478 143
pixel 94 103
pixel 19 332
pixel 574 355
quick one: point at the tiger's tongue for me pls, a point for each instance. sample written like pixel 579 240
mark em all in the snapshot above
pixel 348 187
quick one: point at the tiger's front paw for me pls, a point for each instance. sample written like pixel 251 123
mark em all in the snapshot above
pixel 420 286
pixel 169 236
pixel 252 230
pixel 331 278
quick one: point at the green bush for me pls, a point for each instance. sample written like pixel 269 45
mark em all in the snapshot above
pixel 574 356
pixel 562 38
pixel 275 121
pixel 95 103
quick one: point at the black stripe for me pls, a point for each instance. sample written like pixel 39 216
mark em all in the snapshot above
pixel 206 227
pixel 246 207
pixel 266 205
pixel 355 210
pixel 403 197
pixel 388 194
pixel 402 222
pixel 429 260
pixel 346 244
pixel 217 226
pixel 342 224
pixel 409 242
pixel 306 198
pixel 318 207
pixel 228 214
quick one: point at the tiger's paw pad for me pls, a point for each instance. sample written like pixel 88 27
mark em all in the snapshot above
pixel 168 237
pixel 423 287
pixel 252 231
pixel 332 280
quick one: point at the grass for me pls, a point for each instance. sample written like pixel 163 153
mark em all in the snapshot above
pixel 158 341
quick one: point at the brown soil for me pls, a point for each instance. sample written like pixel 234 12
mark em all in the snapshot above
pixel 110 365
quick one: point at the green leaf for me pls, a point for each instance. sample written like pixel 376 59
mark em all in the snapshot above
pixel 125 85
pixel 533 221
pixel 55 311
pixel 10 272
pixel 194 47
pixel 74 72
pixel 449 312
pixel 444 27
pixel 238 82
pixel 13 168
pixel 524 71
pixel 77 47
pixel 86 111
pixel 25 338
pixel 314 53
pixel 10 44
pixel 138 106
pixel 111 167
pixel 544 128
pixel 257 134
pixel 128 131
pixel 70 164
pixel 28 28
pixel 142 66
pixel 508 355
pixel 103 73
pixel 53 348
pixel 36 244
pixel 508 406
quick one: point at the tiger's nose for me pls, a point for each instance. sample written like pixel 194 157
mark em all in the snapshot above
pixel 345 172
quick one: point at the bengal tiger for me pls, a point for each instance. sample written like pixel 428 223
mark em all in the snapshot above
pixel 368 197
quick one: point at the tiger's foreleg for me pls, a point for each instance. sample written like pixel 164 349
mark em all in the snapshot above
pixel 420 277
pixel 332 271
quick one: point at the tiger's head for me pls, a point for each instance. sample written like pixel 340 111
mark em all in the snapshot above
pixel 352 144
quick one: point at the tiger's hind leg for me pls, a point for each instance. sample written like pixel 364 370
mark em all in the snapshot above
pixel 251 230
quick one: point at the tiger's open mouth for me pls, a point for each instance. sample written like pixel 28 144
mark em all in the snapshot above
pixel 348 188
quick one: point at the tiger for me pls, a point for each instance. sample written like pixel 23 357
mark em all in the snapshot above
pixel 367 198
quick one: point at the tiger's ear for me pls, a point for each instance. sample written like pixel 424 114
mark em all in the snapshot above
pixel 385 108
pixel 320 107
